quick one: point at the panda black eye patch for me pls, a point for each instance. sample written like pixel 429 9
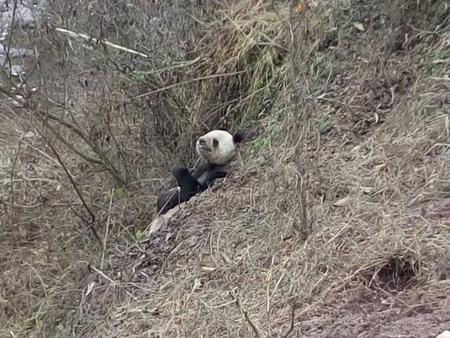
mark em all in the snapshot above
pixel 215 143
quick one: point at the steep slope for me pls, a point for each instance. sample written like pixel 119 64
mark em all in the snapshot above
pixel 336 221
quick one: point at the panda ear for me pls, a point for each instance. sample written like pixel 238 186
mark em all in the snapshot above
pixel 238 137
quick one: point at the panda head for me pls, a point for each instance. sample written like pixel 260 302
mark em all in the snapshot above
pixel 218 146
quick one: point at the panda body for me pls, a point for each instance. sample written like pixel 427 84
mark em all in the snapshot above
pixel 217 148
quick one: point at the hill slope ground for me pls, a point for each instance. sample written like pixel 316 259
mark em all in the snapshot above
pixel 372 258
pixel 334 222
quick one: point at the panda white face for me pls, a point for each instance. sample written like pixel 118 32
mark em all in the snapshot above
pixel 216 147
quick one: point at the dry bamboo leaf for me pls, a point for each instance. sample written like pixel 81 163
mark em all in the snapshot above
pixel 359 26
pixel 343 202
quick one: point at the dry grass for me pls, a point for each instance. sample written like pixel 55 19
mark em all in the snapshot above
pixel 361 118
pixel 372 163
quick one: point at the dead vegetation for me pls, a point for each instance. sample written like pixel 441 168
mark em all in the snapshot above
pixel 334 223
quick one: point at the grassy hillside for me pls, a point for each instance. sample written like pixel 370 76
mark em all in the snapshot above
pixel 334 222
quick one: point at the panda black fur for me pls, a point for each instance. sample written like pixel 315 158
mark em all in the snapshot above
pixel 187 187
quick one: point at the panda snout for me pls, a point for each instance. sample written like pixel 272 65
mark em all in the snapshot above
pixel 203 145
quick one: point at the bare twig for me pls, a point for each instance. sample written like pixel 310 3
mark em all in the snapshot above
pixel 244 312
pixel 294 307
pixel 175 66
pixel 104 161
pixel 72 148
pixel 187 82
pixel 299 106
pixel 105 238
pixel 91 38
pixel 120 151
pixel 66 124
pixel 304 230
pixel 16 156
pixel 72 181
pixel 101 273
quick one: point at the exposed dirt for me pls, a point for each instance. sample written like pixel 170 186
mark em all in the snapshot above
pixel 361 312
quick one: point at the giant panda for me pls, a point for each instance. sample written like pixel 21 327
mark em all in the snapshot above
pixel 217 148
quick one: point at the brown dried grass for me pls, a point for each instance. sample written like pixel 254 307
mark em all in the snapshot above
pixel 368 136
pixel 232 265
pixel 378 239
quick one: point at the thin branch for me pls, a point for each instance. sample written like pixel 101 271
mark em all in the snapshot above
pixel 298 101
pixel 69 125
pixel 72 181
pixel 244 312
pixel 105 42
pixel 104 161
pixel 71 147
pixel 105 238
pixel 187 82
pixel 16 156
pixel 119 150
pixel 175 66
pixel 294 307
pixel 89 226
